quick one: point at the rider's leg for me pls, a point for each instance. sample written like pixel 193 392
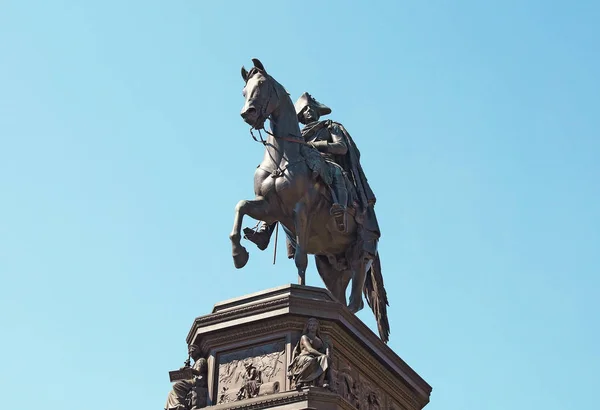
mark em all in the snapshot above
pixel 261 236
pixel 340 200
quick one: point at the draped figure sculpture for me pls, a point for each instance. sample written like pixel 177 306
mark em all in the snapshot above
pixel 311 359
pixel 190 394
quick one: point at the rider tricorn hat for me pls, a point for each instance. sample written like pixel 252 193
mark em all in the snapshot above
pixel 306 99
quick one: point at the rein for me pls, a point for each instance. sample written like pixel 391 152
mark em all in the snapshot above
pixel 290 138
pixel 264 142
pixel 279 171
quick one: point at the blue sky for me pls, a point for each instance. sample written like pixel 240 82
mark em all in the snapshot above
pixel 123 155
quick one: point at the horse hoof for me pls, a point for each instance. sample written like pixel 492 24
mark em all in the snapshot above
pixel 240 259
pixel 356 307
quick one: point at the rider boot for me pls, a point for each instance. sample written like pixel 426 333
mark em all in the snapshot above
pixel 340 199
pixel 261 236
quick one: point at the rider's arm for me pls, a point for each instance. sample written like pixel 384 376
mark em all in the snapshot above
pixel 337 146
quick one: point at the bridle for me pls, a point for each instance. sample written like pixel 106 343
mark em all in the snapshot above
pixel 279 171
pixel 263 116
pixel 264 142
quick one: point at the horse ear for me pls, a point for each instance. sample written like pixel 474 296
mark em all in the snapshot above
pixel 244 74
pixel 258 64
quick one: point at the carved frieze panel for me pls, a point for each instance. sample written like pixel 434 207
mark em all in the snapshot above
pixel 250 371
pixel 371 397
pixel 347 382
pixel 360 391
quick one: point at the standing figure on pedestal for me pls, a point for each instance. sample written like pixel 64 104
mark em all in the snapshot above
pixel 311 361
pixel 190 394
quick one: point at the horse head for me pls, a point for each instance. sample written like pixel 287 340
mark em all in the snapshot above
pixel 261 95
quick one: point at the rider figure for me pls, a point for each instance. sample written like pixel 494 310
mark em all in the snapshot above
pixel 329 140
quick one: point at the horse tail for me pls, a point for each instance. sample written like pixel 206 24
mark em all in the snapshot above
pixel 377 298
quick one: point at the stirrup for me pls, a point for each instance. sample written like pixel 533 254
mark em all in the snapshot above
pixel 339 216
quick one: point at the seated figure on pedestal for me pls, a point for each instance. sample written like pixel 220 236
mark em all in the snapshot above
pixel 190 394
pixel 311 359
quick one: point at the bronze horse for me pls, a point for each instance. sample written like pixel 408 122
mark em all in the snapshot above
pixel 289 192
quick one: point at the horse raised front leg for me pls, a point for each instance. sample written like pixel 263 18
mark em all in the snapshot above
pixel 256 208
pixel 302 224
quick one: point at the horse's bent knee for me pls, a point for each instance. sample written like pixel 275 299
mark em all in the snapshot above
pixel 241 205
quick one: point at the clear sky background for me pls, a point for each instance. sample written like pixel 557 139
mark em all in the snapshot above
pixel 122 156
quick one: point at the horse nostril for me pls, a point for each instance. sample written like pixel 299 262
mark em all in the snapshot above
pixel 248 112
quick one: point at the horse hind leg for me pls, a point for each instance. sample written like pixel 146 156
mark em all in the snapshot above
pixel 256 208
pixel 335 281
pixel 359 275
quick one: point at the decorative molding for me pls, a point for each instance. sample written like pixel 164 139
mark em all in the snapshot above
pixel 247 332
pixel 237 313
pixel 290 397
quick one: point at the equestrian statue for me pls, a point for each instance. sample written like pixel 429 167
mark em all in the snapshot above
pixel 312 183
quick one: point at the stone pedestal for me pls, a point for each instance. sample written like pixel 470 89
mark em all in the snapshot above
pixel 255 335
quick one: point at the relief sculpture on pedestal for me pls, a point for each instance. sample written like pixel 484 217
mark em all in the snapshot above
pixel 250 372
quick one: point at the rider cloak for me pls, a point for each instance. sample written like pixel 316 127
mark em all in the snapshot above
pixel 350 163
